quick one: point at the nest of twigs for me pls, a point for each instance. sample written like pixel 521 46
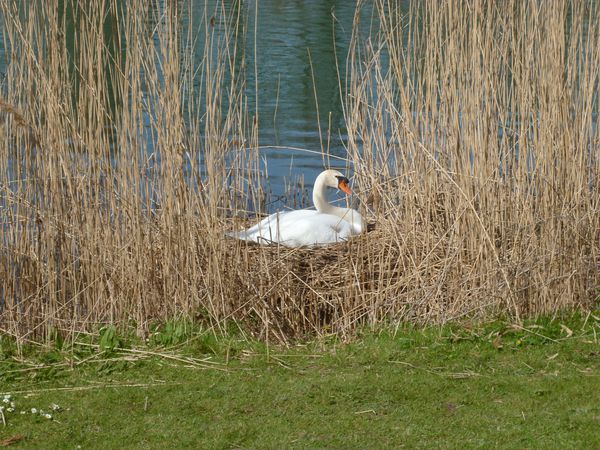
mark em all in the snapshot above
pixel 393 274
pixel 369 280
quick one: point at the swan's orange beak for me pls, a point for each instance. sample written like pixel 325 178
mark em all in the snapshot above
pixel 343 185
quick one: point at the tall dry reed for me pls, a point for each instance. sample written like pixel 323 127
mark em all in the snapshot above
pixel 471 128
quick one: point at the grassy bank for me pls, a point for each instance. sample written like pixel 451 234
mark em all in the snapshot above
pixel 497 385
pixel 129 144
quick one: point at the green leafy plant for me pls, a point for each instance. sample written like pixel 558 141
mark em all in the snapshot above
pixel 171 333
pixel 109 339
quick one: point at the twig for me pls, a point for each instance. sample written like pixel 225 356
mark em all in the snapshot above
pixel 467 374
pixel 89 388
pixel 11 440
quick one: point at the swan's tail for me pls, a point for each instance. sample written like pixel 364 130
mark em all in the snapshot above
pixel 242 235
pixel 248 236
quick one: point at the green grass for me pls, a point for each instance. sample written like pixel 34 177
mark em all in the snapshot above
pixel 454 387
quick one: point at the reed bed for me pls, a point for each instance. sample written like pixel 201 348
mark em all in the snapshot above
pixel 128 149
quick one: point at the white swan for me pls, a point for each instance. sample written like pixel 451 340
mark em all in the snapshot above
pixel 327 225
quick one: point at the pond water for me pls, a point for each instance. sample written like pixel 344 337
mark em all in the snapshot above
pixel 300 50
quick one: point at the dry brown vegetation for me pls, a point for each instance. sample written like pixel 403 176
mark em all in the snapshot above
pixel 472 132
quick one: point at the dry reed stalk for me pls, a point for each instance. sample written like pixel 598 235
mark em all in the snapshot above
pixel 471 131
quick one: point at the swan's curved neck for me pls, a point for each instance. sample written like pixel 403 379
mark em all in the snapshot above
pixel 323 206
pixel 320 197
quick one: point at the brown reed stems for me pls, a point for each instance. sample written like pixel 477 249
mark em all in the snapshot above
pixel 471 127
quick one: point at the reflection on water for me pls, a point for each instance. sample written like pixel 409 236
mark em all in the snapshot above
pixel 298 50
pixel 300 47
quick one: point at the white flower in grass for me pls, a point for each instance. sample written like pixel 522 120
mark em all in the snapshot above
pixel 13 405
pixel 55 407
pixel 34 411
pixel 11 409
pixel 6 399
pixel 47 416
pixel 23 412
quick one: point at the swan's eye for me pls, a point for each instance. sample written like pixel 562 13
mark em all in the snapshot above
pixel 344 185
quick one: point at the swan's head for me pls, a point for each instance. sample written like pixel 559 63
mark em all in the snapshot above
pixel 334 179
